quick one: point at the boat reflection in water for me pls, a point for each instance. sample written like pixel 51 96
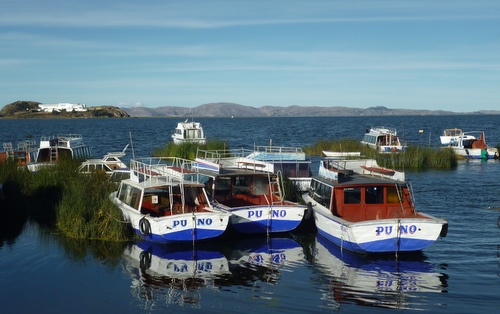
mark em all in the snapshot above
pixel 172 274
pixel 380 281
pixel 264 258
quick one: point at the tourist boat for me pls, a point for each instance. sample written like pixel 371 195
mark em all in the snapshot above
pixel 292 162
pixel 365 208
pixel 255 198
pixel 189 132
pixel 452 135
pixel 472 145
pixel 23 153
pixel 164 202
pixel 374 281
pixel 109 163
pixel 383 139
pixel 55 148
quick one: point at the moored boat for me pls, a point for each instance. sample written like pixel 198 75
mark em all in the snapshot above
pixel 365 208
pixel 452 135
pixel 164 202
pixel 22 153
pixel 55 148
pixel 109 163
pixel 292 162
pixel 383 139
pixel 255 198
pixel 189 132
pixel 472 145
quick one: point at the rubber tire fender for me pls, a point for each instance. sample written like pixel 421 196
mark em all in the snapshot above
pixel 144 227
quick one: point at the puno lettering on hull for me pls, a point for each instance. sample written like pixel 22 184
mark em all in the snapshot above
pixel 199 222
pixel 183 267
pixel 279 213
pixel 259 259
pixel 403 229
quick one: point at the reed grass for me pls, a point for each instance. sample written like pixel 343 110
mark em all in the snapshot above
pixel 187 150
pixel 61 197
pixel 418 158
pixel 414 158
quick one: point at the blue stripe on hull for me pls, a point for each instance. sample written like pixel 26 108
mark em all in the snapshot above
pixel 263 226
pixel 381 246
pixel 182 236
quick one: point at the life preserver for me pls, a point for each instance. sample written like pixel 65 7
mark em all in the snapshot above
pixel 144 227
pixel 145 260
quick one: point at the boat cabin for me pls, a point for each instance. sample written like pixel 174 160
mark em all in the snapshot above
pixel 244 188
pixel 164 200
pixel 362 198
pixel 62 147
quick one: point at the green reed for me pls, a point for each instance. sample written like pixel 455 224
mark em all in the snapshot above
pixel 86 212
pixel 61 197
pixel 413 158
pixel 187 150
pixel 419 158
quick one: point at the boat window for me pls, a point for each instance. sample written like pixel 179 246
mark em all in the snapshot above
pixel 129 195
pixel 352 196
pixel 392 195
pixel 321 193
pixel 241 185
pixel 260 185
pixel 374 195
pixel 222 186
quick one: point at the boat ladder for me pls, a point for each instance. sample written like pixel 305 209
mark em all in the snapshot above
pixel 53 154
pixel 277 189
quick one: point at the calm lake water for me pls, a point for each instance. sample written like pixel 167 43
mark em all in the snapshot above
pixel 296 273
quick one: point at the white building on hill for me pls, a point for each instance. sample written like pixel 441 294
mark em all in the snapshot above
pixel 62 107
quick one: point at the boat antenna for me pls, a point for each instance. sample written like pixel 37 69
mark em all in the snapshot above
pixel 131 144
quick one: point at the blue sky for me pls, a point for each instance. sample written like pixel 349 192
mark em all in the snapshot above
pixel 400 54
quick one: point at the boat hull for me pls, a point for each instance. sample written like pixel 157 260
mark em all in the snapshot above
pixel 476 153
pixel 265 219
pixel 175 228
pixel 379 236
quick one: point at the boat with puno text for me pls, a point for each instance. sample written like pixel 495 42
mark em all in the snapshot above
pixel 254 197
pixel 365 208
pixel 164 202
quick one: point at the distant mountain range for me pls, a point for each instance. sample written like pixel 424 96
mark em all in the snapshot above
pixel 224 109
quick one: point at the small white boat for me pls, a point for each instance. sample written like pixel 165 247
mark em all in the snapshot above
pixel 472 145
pixel 383 139
pixel 109 163
pixel 452 135
pixel 255 198
pixel 189 132
pixel 164 202
pixel 341 154
pixel 365 208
